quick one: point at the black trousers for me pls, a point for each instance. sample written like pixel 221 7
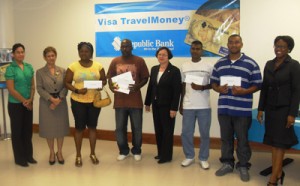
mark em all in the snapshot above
pixel 164 131
pixel 21 131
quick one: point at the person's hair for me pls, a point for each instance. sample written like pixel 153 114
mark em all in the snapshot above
pixel 16 46
pixel 87 44
pixel 49 49
pixel 127 41
pixel 235 35
pixel 289 41
pixel 170 55
pixel 197 42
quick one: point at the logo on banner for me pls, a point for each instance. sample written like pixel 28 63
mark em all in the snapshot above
pixel 116 43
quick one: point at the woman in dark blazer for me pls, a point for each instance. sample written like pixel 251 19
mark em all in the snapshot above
pixel 279 99
pixel 163 93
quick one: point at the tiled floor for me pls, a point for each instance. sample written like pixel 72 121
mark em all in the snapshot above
pixel 128 172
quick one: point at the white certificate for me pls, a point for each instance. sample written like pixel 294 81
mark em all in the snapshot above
pixel 92 84
pixel 194 79
pixel 123 81
pixel 124 88
pixel 231 81
pixel 125 78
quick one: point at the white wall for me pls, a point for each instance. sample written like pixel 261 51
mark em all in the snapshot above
pixel 64 23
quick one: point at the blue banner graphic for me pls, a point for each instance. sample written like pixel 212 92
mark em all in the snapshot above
pixel 171 23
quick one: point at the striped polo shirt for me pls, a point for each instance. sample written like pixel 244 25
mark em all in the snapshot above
pixel 248 70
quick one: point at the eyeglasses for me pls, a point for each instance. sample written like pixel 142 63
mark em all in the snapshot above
pixel 162 55
pixel 280 47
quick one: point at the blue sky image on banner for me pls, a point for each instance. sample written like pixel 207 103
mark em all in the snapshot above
pixel 171 23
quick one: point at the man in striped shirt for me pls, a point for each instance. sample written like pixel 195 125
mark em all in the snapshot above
pixel 235 77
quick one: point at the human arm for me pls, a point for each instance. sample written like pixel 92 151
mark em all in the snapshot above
pixel 295 97
pixel 200 87
pixel 29 102
pixel 182 97
pixel 177 90
pixel 64 91
pixel 148 98
pixel 220 89
pixel 138 86
pixel 259 116
pixel 10 84
pixel 68 83
pixel 40 86
pixel 237 90
pixel 103 77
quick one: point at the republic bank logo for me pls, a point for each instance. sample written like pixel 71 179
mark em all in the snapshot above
pixel 116 43
pixel 146 44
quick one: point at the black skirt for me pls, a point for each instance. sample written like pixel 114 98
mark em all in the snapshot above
pixel 276 133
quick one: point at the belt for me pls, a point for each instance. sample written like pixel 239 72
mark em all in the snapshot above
pixel 55 95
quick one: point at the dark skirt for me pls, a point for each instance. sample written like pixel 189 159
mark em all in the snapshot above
pixel 276 133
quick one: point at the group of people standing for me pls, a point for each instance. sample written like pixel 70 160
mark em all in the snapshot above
pixel 169 89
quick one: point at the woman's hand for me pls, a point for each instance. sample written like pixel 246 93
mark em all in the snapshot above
pixel 52 106
pixel 82 91
pixel 55 101
pixel 28 104
pixel 173 113
pixel 259 116
pixel 147 108
pixel 290 121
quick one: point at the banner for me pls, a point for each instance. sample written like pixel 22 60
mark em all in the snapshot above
pixel 171 23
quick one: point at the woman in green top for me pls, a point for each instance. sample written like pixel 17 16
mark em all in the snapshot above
pixel 20 85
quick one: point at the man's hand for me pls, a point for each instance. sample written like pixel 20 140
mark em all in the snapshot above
pixel 237 90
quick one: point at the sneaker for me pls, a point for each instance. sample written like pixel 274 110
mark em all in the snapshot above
pixel 187 162
pixel 137 157
pixel 204 164
pixel 122 157
pixel 226 168
pixel 244 173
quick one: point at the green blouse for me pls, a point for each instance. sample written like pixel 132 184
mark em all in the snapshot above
pixel 22 79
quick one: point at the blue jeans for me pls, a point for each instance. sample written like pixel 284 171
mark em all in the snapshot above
pixel 234 126
pixel 203 117
pixel 136 120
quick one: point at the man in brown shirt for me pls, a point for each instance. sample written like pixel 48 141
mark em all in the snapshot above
pixel 128 105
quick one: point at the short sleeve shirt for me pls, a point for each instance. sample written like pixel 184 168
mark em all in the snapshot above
pixel 22 80
pixel 138 68
pixel 80 75
pixel 196 99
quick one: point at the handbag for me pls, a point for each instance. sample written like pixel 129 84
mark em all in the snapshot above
pixel 99 101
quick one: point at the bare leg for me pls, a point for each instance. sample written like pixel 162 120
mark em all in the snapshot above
pixel 51 148
pixel 277 158
pixel 92 138
pixel 60 142
pixel 78 141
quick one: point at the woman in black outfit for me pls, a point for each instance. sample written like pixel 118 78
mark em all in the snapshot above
pixel 279 99
pixel 163 93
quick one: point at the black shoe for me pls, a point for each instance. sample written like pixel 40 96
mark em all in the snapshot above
pixel 281 179
pixel 157 157
pixel 51 162
pixel 32 161
pixel 60 161
pixel 161 161
pixel 22 164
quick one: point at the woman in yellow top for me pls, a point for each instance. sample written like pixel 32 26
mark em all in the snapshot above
pixel 85 114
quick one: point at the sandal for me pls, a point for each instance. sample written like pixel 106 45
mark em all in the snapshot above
pixel 78 162
pixel 94 159
pixel 270 184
